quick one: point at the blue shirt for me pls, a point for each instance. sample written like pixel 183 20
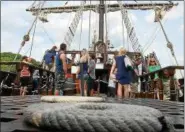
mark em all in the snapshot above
pixel 59 65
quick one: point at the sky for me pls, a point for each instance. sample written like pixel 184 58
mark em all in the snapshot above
pixel 16 21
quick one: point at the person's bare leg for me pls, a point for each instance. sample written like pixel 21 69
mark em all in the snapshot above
pixel 158 94
pixel 56 92
pixel 120 91
pixel 24 91
pixel 85 88
pixel 129 92
pixel 79 86
pixel 21 90
pixel 126 91
pixel 91 93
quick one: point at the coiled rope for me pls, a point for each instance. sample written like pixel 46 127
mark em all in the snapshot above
pixel 93 117
pixel 55 99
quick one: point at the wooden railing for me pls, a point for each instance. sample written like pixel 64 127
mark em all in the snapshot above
pixel 32 67
pixel 148 79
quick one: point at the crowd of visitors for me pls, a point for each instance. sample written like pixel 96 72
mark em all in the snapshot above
pixel 123 77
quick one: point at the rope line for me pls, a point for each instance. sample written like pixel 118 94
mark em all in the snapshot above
pixel 90 26
pixel 106 30
pixel 33 38
pixel 47 34
pixel 26 38
pixel 81 31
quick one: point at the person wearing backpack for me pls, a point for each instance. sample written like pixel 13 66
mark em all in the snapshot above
pixel 24 76
pixel 123 65
pixel 49 58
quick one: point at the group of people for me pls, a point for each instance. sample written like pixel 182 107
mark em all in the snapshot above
pixel 123 74
pixel 86 73
pixel 153 66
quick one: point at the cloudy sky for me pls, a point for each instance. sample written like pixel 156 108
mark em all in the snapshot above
pixel 15 23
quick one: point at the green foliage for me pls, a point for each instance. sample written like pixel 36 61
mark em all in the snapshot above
pixel 9 56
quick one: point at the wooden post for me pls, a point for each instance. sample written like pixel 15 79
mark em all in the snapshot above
pixel 161 87
pixel 18 67
pixel 172 85
pixel 82 79
pixel 152 84
pixel 53 89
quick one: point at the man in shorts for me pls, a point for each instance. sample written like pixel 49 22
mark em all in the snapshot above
pixel 61 70
pixel 92 77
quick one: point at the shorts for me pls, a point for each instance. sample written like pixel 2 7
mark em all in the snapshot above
pixel 134 87
pixel 24 81
pixel 90 83
pixel 85 76
pixel 47 66
pixel 59 80
pixel 35 84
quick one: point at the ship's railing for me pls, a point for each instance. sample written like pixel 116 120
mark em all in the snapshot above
pixel 45 75
pixel 148 82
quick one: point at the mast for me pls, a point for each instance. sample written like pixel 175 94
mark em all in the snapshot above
pixel 101 11
pixel 101 21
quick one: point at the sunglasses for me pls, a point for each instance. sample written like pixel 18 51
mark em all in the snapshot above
pixel 152 61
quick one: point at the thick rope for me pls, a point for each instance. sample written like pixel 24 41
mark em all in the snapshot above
pixel 93 117
pixel 55 99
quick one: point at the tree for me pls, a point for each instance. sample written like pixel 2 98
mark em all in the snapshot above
pixel 9 56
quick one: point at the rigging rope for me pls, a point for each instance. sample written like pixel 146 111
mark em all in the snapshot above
pixel 25 39
pixel 169 44
pixel 152 40
pixel 33 38
pixel 123 33
pixel 90 26
pixel 47 34
pixel 81 30
pixel 106 35
pixel 32 5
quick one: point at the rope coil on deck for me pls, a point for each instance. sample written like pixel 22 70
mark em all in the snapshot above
pixel 55 99
pixel 96 117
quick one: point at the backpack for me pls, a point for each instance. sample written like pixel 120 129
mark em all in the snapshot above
pixel 25 72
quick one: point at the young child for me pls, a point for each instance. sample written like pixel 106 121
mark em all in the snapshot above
pixel 112 85
pixel 156 90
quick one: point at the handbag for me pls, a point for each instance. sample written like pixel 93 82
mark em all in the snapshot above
pixel 180 92
pixel 128 63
